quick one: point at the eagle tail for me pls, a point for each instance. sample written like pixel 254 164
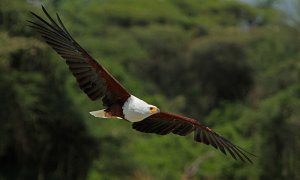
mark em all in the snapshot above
pixel 103 114
pixel 100 113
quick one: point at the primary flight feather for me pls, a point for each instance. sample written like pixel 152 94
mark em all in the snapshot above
pixel 98 83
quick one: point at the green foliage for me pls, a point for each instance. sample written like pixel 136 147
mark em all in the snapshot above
pixel 40 138
pixel 232 66
pixel 223 72
pixel 280 129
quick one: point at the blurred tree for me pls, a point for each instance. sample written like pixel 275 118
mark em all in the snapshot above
pixel 280 131
pixel 42 133
pixel 222 73
pixel 229 64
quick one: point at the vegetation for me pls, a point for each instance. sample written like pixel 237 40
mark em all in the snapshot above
pixel 233 66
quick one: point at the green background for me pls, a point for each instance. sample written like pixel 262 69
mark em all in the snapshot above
pixel 233 66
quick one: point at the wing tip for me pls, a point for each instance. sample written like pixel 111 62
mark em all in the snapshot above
pixel 223 145
pixel 44 9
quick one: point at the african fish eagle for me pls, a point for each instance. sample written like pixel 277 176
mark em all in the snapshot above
pixel 98 83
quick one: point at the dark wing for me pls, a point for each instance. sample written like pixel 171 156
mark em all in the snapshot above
pixel 92 78
pixel 164 123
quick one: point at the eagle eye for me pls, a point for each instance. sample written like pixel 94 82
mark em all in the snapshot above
pixel 153 109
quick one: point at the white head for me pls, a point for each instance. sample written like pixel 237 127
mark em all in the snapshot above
pixel 135 109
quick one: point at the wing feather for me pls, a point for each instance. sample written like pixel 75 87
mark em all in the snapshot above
pixel 165 123
pixel 92 77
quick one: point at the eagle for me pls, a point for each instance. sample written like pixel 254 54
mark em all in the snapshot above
pixel 99 84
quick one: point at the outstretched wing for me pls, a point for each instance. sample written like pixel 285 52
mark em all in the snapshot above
pixel 164 123
pixel 92 78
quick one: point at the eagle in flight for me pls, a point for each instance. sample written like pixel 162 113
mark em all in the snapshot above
pixel 98 83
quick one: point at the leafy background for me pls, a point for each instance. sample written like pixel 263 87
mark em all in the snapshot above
pixel 232 65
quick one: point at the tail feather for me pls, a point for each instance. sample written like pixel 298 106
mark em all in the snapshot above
pixel 100 113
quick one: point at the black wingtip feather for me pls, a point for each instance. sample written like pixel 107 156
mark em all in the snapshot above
pixel 62 42
pixel 239 150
